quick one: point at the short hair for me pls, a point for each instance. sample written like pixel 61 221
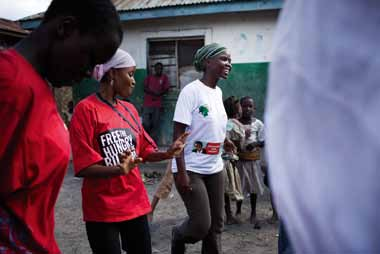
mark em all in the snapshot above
pixel 158 63
pixel 198 143
pixel 229 105
pixel 246 98
pixel 94 16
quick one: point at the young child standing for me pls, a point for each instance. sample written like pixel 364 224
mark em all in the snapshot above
pixel 236 134
pixel 249 157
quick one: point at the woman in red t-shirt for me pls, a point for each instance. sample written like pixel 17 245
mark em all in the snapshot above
pixel 108 141
pixel 34 142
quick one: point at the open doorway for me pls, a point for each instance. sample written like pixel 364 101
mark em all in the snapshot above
pixel 176 55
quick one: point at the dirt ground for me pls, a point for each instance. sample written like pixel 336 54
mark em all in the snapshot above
pixel 236 239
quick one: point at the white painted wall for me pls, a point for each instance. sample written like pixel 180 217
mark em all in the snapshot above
pixel 248 36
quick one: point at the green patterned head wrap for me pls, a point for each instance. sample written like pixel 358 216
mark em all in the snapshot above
pixel 206 52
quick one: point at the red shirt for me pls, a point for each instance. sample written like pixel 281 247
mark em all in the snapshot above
pixel 34 154
pixel 157 85
pixel 98 134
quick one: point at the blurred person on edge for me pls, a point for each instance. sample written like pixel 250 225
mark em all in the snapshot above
pixel 72 38
pixel 322 118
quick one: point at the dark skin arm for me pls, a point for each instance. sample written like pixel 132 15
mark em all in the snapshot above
pixel 165 91
pixel 148 91
pixel 182 179
pixel 175 148
pixel 127 163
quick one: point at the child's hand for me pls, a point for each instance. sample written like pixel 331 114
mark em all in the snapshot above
pixel 229 146
pixel 251 146
pixel 247 133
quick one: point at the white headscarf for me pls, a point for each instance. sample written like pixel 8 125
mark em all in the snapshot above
pixel 121 59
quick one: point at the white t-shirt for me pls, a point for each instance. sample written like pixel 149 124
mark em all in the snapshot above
pixel 201 108
pixel 257 133
pixel 322 119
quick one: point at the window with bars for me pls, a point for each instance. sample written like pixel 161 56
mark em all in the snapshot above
pixel 176 55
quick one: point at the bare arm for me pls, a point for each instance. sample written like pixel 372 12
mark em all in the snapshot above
pixel 148 91
pixel 127 163
pixel 98 170
pixel 164 92
pixel 175 149
pixel 182 179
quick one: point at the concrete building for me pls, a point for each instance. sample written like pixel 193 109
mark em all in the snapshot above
pixel 170 31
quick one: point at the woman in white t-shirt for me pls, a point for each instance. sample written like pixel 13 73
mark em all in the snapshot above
pixel 198 172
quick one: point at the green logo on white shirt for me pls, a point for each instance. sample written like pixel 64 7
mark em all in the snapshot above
pixel 203 110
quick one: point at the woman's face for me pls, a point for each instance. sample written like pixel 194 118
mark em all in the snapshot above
pixel 220 65
pixel 124 81
pixel 248 108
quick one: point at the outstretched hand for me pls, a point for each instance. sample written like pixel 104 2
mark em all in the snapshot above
pixel 127 162
pixel 178 145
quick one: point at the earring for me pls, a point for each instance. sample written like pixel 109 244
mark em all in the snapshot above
pixel 111 82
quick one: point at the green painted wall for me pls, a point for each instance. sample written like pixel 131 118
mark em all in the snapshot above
pixel 87 87
pixel 244 79
pixel 248 79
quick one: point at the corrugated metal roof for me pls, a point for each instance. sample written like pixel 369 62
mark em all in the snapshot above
pixel 12 27
pixel 34 16
pixel 128 5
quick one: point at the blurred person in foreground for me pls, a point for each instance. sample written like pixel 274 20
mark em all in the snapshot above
pixel 322 117
pixel 34 150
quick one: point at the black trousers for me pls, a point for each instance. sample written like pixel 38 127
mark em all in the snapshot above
pixel 134 236
pixel 204 205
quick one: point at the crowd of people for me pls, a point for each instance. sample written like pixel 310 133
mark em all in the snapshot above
pixel 107 139
pixel 217 155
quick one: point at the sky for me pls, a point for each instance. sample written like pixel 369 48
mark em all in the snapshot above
pixel 17 9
